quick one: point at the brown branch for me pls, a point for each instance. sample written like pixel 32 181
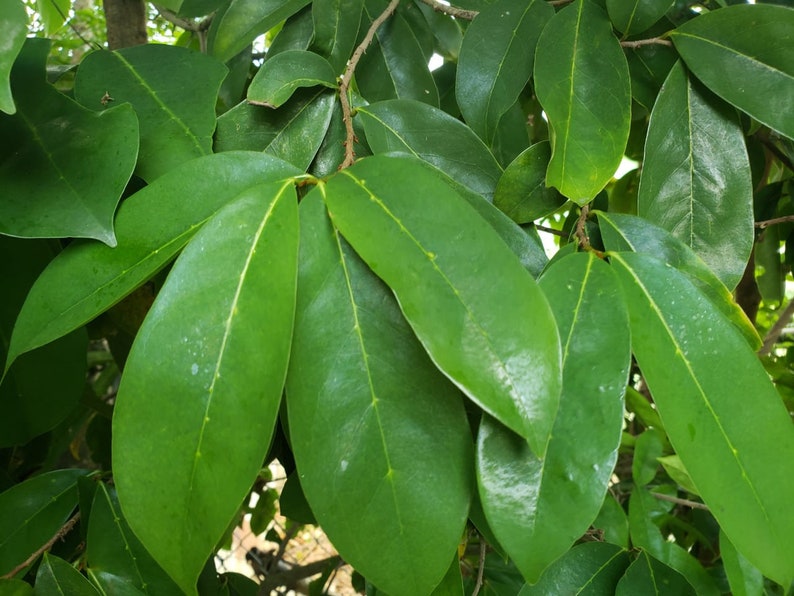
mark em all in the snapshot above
pixel 680 501
pixel 658 41
pixel 776 220
pixel 347 77
pixel 777 329
pixel 581 232
pixel 186 24
pixel 559 233
pixel 480 567
pixel 453 11
pixel 289 577
pixel 559 2
pixel 63 531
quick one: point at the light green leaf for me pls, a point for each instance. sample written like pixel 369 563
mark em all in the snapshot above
pixel 478 313
pixel 743 577
pixel 742 467
pixel 378 433
pixel 522 192
pixel 153 225
pixel 282 74
pixel 434 136
pixel 582 82
pixel 53 14
pixel 695 179
pixel 613 522
pixel 173 91
pixel 336 24
pixel 219 333
pixel 14 24
pixel 537 508
pixel 647 575
pixel 57 176
pixel 33 511
pixel 56 576
pixel 648 448
pixel 675 469
pixel 496 60
pixel 244 20
pixel 745 54
pixel 635 16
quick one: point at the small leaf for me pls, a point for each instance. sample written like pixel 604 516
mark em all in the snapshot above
pixel 173 91
pixel 635 16
pixel 582 82
pixel 336 24
pixel 613 522
pixel 496 60
pixel 743 577
pixel 649 66
pixel 745 54
pixel 56 576
pixel 648 448
pixel 14 25
pixel 695 179
pixel 392 435
pixel 281 75
pixel 647 575
pixel 676 470
pixel 219 331
pixel 57 176
pixel 53 14
pixel 478 313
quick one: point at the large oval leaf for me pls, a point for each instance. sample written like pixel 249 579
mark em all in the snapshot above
pixel 582 82
pixel 203 381
pixel 378 433
pixel 695 179
pixel 537 508
pixel 496 60
pixel 282 74
pixel 478 313
pixel 745 54
pixel 700 372
pixel 14 24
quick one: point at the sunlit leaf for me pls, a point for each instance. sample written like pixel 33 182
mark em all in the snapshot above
pixel 14 24
pixel 282 74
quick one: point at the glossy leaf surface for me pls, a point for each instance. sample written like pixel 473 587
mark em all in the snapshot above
pixel 405 441
pixel 56 176
pixel 582 82
pixel 537 508
pixel 695 179
pixel 336 25
pixel 647 575
pixel 13 22
pixel 56 576
pixel 152 226
pixel 743 478
pixel 635 16
pixel 496 59
pixel 222 340
pixel 285 72
pixel 477 312
pixel 173 91
pixel 745 54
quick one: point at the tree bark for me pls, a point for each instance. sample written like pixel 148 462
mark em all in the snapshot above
pixel 126 23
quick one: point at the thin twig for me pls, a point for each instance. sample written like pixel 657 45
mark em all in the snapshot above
pixel 559 233
pixel 63 531
pixel 680 501
pixel 347 77
pixel 289 577
pixel 453 11
pixel 653 41
pixel 480 567
pixel 186 24
pixel 777 329
pixel 776 220
pixel 581 232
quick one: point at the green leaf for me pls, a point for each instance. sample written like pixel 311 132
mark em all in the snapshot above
pixel 648 448
pixel 219 333
pixel 539 507
pixel 745 54
pixel 56 576
pixel 434 136
pixel 14 24
pixel 478 313
pixel 378 433
pixel 522 192
pixel 336 24
pixel 627 233
pixel 675 469
pixel 244 20
pixel 33 511
pixel 582 82
pixel 614 523
pixel 496 60
pixel 57 176
pixel 649 66
pixel 647 575
pixel 173 91
pixel 53 14
pixel 589 569
pixel 282 74
pixel 635 16
pixel 695 180
pixel 15 587
pixel 293 133
pixel 116 559
pixel 743 577
pixel 153 225
pixel 452 582
pixel 743 468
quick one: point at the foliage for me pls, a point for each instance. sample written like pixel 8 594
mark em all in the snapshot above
pixel 331 255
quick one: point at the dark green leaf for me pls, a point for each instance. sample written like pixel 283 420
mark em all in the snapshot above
pixel 197 8
pixel 582 81
pixel 745 54
pixel 741 467
pixel 635 16
pixel 219 332
pixel 695 179
pixel 15 587
pixel 296 33
pixel 649 66
pixel 282 74
pixel 173 91
pixel 496 60
pixel 377 431
pixel 14 24
pixel 56 576
pixel 647 575
pixel 336 24
pixel 57 176
pixel 478 313
pixel 743 577
pixel 770 276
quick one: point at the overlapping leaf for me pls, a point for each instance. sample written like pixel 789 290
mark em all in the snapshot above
pixel 56 174
pixel 695 179
pixel 477 312
pixel 745 54
pixel 744 477
pixel 173 91
pixel 743 577
pixel 582 82
pixel 56 576
pixel 13 23
pixel 377 431
pixel 635 16
pixel 153 225
pixel 285 72
pixel 336 24
pixel 647 575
